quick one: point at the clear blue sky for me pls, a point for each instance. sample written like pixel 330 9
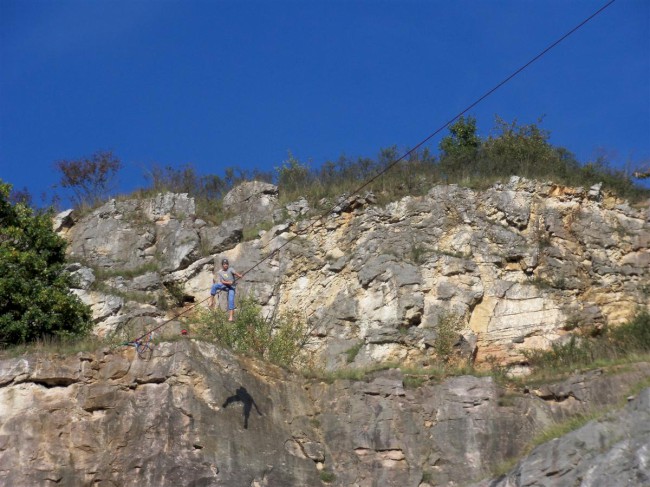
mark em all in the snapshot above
pixel 239 83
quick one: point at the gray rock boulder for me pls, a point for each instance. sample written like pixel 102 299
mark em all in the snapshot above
pixel 84 277
pixel 134 234
pixel 254 201
pixel 613 451
pixel 219 239
pixel 63 221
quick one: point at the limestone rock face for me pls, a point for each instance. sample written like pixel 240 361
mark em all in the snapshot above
pixel 612 451
pixel 128 235
pixel 510 268
pixel 254 201
pixel 125 252
pixel 515 265
pixel 194 414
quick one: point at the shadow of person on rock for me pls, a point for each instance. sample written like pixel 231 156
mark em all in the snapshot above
pixel 242 395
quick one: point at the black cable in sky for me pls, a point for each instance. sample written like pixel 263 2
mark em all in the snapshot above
pixel 433 134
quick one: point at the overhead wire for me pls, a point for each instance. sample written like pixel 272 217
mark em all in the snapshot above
pixel 433 134
pixel 392 164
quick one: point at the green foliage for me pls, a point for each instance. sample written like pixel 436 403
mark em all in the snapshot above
pixel 427 476
pixel 541 283
pixel 414 377
pixel 561 428
pixel 465 158
pixel 418 253
pixel 634 335
pixel 280 340
pixel 459 147
pixel 207 190
pixel 413 176
pixel 414 381
pixel 448 332
pixel 524 150
pixel 352 352
pixel 575 352
pixel 51 345
pixel 185 179
pixel 35 297
pixel 462 139
pixel 251 233
pixel 137 296
pixel 102 273
pixel 90 178
pixel 293 176
pixel 327 476
pixel 511 149
pixel 619 343
pixel 515 149
pixel 177 293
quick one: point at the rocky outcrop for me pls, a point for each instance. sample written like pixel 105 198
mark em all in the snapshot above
pixel 194 414
pixel 517 265
pixel 611 451
pixel 512 268
pixel 253 201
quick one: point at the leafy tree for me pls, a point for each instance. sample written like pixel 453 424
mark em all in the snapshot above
pixel 522 150
pixel 460 147
pixel 35 297
pixel 462 139
pixel 21 196
pixel 293 175
pixel 90 178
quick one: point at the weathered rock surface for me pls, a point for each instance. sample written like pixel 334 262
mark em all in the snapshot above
pixel 613 451
pixel 515 266
pixel 253 201
pixel 129 235
pixel 194 414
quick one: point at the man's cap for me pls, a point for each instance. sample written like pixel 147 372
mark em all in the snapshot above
pixel 224 261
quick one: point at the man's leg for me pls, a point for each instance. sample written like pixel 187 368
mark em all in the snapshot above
pixel 231 303
pixel 216 287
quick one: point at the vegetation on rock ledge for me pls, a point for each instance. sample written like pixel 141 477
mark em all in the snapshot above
pixel 35 297
pixel 280 339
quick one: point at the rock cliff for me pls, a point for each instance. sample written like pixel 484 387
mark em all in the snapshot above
pixel 195 415
pixel 513 267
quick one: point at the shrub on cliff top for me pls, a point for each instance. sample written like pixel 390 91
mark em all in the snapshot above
pixel 35 297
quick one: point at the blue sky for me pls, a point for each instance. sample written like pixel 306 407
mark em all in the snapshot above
pixel 225 83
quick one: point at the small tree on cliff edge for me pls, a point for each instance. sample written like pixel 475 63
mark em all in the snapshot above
pixel 90 178
pixel 35 297
pixel 460 147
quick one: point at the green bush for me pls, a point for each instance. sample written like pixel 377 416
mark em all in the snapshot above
pixel 460 148
pixel 293 177
pixel 352 352
pixel 465 158
pixel 327 476
pixel 448 333
pixel 633 336
pixel 576 352
pixel 618 343
pixel 280 340
pixel 35 297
